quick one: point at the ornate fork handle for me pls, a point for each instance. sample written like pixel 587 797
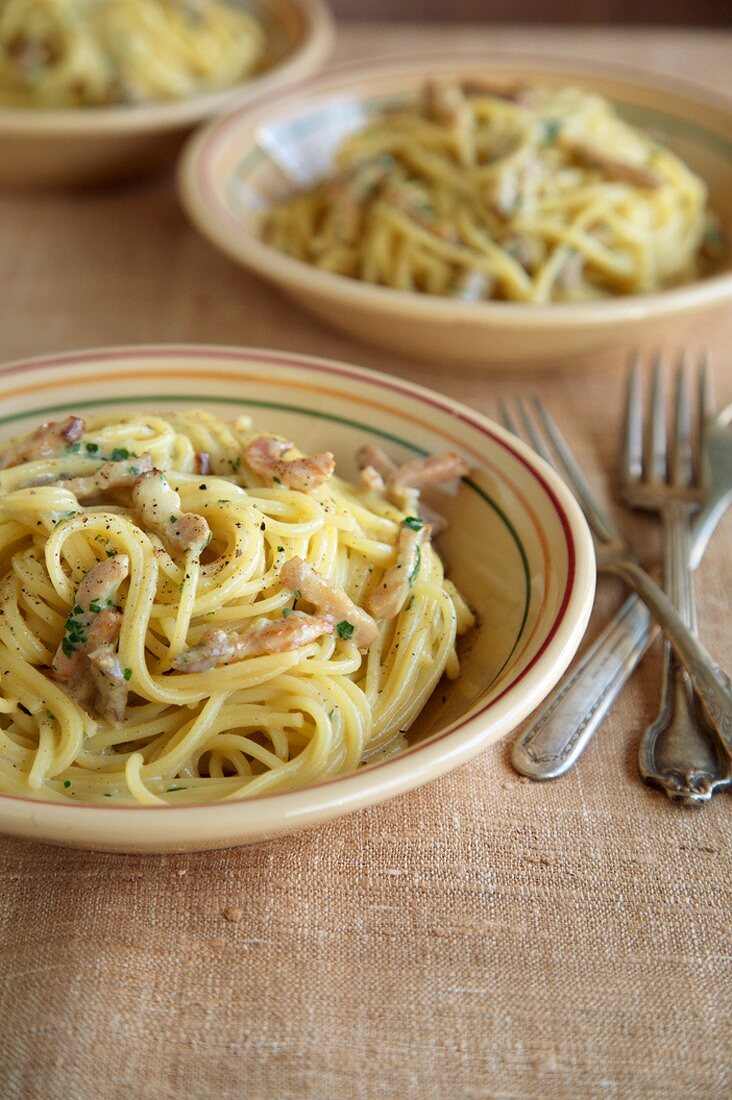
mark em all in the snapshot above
pixel 711 684
pixel 552 744
pixel 676 753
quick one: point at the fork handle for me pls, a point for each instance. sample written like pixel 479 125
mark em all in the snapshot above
pixel 710 683
pixel 677 752
pixel 571 715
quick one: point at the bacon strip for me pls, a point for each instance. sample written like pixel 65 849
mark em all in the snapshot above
pixel 92 621
pixel 377 459
pixel 266 456
pixel 371 479
pixel 483 88
pixel 203 463
pixel 329 600
pixel 445 104
pixel 160 509
pixel 612 169
pixel 444 470
pixel 46 441
pixel 109 681
pixel 386 601
pixel 219 647
pixel 402 484
pixel 112 475
pixel 86 661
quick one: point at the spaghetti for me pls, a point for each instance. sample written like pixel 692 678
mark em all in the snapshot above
pixel 191 611
pixel 81 53
pixel 527 195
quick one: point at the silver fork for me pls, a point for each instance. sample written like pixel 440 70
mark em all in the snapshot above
pixel 677 752
pixel 559 733
pixel 614 555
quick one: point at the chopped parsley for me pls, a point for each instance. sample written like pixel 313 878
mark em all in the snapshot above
pixel 276 481
pixel 73 448
pixel 119 454
pixel 415 568
pixel 223 501
pixel 552 129
pixel 169 789
pixel 280 549
pixel 127 673
pixel 63 517
pixel 414 522
pixel 92 448
pixel 345 629
pixel 74 632
pixel 67 783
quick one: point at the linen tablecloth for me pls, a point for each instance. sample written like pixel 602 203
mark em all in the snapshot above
pixel 481 937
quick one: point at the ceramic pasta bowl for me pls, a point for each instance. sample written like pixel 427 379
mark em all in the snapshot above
pixel 256 156
pixel 517 544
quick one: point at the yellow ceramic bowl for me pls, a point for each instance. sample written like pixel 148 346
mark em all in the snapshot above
pixel 240 164
pixel 91 145
pixel 517 544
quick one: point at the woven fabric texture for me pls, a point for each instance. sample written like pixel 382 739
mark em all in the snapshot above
pixel 483 937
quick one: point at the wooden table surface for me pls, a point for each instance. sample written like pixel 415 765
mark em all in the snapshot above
pixel 482 937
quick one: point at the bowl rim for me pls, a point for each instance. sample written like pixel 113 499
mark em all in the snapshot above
pixel 447 748
pixel 213 218
pixel 315 42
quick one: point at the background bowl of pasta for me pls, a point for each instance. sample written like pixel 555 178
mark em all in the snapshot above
pixel 198 757
pixel 94 93
pixel 478 209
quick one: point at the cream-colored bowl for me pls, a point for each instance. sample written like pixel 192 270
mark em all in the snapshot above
pixel 239 165
pixel 92 145
pixel 517 545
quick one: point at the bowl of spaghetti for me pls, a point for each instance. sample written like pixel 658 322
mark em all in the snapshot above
pixel 94 92
pixel 243 592
pixel 478 209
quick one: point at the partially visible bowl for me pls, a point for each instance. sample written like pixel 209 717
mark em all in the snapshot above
pixel 92 145
pixel 239 165
pixel 518 546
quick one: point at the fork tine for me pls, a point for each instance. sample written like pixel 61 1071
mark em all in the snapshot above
pixel 655 453
pixel 706 412
pixel 632 449
pixel 680 461
pixel 507 419
pixel 535 437
pixel 596 515
pixel 530 433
